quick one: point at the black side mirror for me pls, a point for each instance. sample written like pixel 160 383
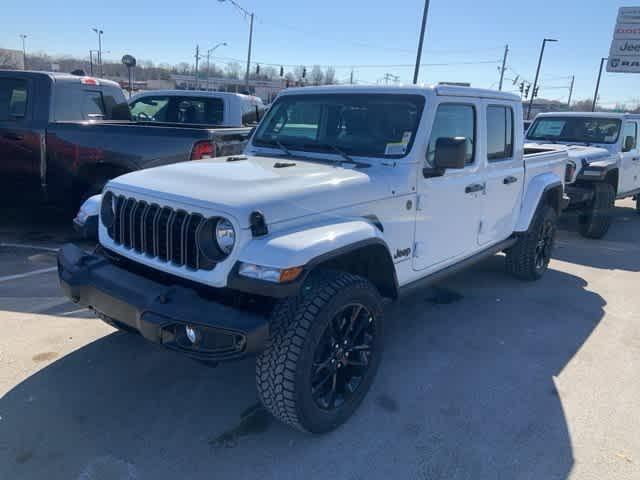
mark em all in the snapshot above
pixel 451 152
pixel 629 143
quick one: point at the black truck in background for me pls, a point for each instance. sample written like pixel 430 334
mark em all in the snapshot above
pixel 64 136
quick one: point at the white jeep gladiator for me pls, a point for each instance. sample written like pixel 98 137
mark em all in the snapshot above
pixel 604 161
pixel 345 196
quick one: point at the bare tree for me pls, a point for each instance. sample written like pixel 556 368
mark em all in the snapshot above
pixel 233 70
pixel 330 76
pixel 316 77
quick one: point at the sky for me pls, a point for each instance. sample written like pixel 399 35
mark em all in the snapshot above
pixel 464 40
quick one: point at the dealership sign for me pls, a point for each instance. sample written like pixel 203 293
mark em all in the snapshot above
pixel 624 54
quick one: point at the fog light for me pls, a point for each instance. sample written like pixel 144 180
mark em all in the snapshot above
pixel 192 333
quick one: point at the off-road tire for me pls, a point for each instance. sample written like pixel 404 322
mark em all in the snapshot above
pixel 521 259
pixel 595 223
pixel 283 370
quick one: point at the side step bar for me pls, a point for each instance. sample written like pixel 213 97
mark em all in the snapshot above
pixel 455 268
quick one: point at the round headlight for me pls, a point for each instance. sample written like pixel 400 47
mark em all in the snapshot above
pixel 225 235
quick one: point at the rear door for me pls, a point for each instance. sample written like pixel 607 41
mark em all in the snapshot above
pixel 450 206
pixel 19 144
pixel 630 158
pixel 504 173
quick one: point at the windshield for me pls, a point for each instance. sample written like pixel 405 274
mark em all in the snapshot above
pixel 575 129
pixel 371 125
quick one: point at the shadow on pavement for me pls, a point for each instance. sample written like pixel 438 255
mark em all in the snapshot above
pixel 465 391
pixel 618 250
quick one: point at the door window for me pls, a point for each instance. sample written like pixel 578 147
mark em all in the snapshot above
pixel 499 133
pixel 453 120
pixel 93 105
pixel 13 99
pixel 630 130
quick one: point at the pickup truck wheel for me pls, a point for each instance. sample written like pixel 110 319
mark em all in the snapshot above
pixel 323 353
pixel 595 223
pixel 529 258
pixel 638 204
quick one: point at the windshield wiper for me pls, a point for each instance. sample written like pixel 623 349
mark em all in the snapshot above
pixel 282 147
pixel 345 156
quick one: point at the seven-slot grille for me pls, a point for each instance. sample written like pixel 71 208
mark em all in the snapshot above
pixel 159 232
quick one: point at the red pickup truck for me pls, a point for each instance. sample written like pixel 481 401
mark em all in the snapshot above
pixel 64 136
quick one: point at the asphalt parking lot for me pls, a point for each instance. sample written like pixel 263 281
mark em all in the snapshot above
pixel 483 377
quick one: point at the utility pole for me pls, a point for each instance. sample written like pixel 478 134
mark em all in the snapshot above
pixel 91 62
pixel 250 15
pixel 99 32
pixel 595 95
pixel 504 65
pixel 573 79
pixel 197 59
pixel 24 51
pixel 420 43
pixel 535 82
pixel 351 77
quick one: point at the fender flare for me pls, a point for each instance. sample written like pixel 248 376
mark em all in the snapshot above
pixel 537 189
pixel 304 247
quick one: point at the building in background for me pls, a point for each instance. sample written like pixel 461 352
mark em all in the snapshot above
pixel 11 59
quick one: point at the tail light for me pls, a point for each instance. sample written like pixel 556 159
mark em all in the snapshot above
pixel 204 149
pixel 569 171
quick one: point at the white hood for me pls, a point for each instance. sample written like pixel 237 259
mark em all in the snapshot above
pixel 243 186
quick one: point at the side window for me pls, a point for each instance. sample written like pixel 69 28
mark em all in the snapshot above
pixel 93 105
pixel 150 109
pixel 453 120
pixel 499 133
pixel 13 99
pixel 630 130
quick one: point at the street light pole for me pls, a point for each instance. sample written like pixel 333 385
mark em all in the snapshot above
pixel 91 62
pixel 535 82
pixel 24 51
pixel 197 59
pixel 595 95
pixel 504 65
pixel 425 13
pixel 250 15
pixel 99 32
pixel 212 49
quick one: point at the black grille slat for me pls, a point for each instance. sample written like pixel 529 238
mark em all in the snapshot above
pixel 177 245
pixel 191 246
pixel 159 232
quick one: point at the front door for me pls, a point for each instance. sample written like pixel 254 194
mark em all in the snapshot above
pixel 505 174
pixel 450 206
pixel 630 159
pixel 19 145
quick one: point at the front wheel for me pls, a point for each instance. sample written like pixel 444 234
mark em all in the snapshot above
pixel 529 258
pixel 596 221
pixel 323 353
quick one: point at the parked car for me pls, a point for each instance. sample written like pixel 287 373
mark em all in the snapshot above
pixel 220 109
pixel 345 196
pixel 65 136
pixel 596 177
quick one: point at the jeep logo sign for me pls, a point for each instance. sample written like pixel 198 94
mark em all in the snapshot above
pixel 624 54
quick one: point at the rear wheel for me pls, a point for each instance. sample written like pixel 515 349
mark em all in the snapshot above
pixel 595 222
pixel 529 258
pixel 324 353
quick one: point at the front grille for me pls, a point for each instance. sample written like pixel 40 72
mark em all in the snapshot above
pixel 159 232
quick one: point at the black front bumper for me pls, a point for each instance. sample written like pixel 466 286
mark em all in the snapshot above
pixel 578 195
pixel 158 311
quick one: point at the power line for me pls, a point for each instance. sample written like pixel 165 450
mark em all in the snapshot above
pixel 399 65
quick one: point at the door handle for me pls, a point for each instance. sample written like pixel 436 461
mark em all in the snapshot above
pixel 13 136
pixel 474 187
pixel 510 179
